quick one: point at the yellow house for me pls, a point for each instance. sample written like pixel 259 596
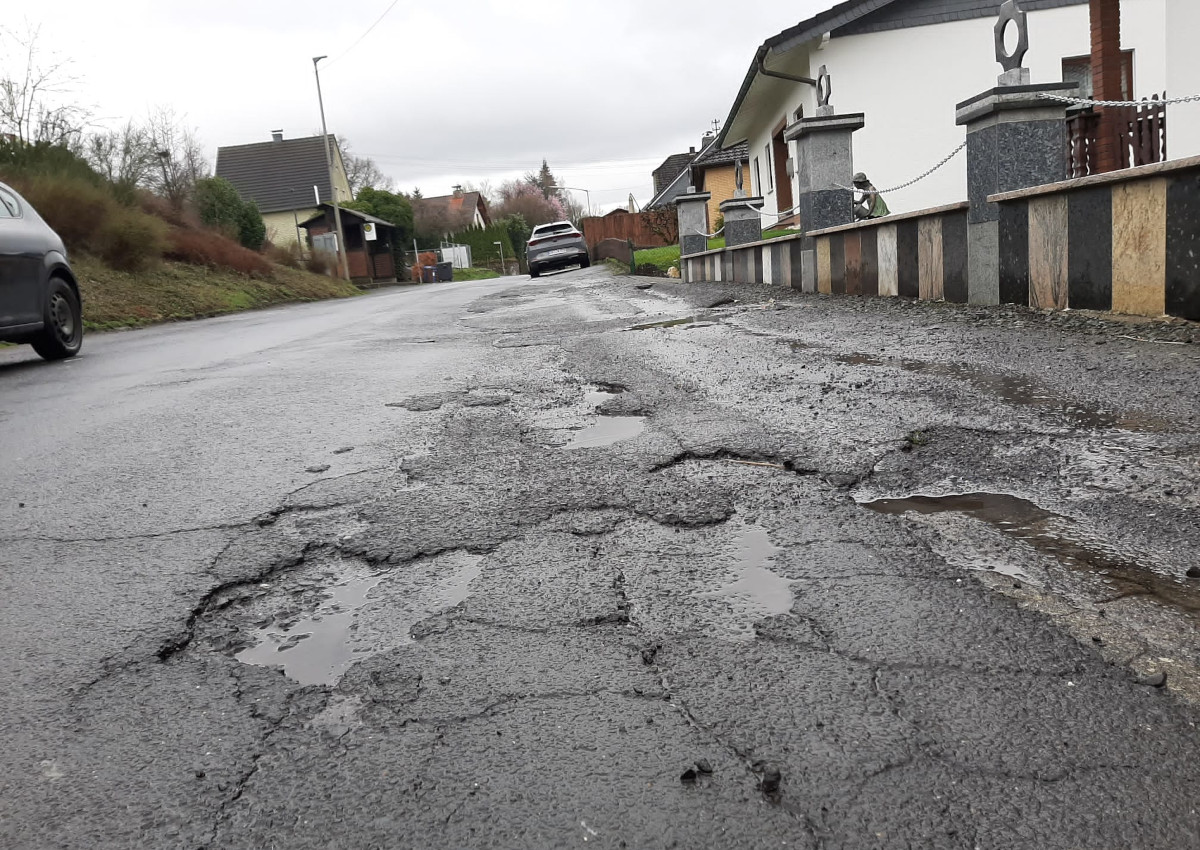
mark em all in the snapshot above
pixel 287 178
pixel 715 171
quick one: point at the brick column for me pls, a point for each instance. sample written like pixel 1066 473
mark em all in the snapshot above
pixel 1106 78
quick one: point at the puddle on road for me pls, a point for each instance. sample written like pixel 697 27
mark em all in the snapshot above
pixel 757 592
pixel 667 323
pixel 361 615
pixel 315 650
pixel 1056 536
pixel 1019 391
pixel 609 429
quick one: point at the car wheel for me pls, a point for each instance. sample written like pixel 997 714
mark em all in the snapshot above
pixel 62 335
pixel 534 271
pixel 585 263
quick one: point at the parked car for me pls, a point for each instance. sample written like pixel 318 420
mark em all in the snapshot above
pixel 39 297
pixel 556 246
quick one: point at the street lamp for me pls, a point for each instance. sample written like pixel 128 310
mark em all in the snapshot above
pixel 575 189
pixel 337 209
pixel 501 246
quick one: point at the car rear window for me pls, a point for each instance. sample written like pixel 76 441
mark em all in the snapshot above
pixel 553 230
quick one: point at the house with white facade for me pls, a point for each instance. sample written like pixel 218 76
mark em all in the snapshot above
pixel 905 64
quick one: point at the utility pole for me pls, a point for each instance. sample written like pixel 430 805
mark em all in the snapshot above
pixel 337 209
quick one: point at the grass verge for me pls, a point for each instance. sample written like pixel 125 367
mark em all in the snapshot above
pixel 474 274
pixel 176 291
pixel 664 258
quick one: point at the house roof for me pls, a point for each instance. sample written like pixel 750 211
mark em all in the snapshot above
pixel 679 184
pixel 460 208
pixel 671 168
pixel 279 175
pixel 715 156
pixel 855 17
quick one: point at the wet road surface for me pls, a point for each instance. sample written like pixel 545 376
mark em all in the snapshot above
pixel 569 562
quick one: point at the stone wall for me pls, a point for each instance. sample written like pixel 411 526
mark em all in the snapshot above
pixel 1126 242
pixel 917 255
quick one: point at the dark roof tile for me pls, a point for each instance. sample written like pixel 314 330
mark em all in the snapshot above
pixel 280 175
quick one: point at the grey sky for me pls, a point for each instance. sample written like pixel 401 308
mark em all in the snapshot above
pixel 437 92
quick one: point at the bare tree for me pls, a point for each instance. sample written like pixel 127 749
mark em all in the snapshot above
pixel 179 154
pixel 485 190
pixel 362 172
pixel 664 223
pixel 127 157
pixel 34 103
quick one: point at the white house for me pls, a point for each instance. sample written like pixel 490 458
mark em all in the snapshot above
pixel 905 64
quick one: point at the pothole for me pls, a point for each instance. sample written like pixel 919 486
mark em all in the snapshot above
pixel 1021 392
pixel 666 323
pixel 608 429
pixel 758 592
pixel 317 621
pixel 1057 537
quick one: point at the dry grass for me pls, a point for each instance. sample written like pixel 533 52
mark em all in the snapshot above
pixel 177 291
pixel 208 248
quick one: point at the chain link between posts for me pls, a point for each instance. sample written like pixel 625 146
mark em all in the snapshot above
pixel 1153 101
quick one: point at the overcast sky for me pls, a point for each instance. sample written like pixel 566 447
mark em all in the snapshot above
pixel 439 91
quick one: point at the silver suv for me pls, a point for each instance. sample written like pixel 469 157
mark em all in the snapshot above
pixel 555 246
pixel 39 298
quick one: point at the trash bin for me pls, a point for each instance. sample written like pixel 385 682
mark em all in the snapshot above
pixel 445 271
pixel 429 274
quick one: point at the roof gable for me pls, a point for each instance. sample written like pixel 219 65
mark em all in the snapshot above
pixel 279 175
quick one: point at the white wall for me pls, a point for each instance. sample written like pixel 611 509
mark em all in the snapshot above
pixel 1183 77
pixel 908 82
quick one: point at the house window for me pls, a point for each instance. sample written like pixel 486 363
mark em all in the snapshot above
pixel 1078 69
pixel 770 169
pixel 757 187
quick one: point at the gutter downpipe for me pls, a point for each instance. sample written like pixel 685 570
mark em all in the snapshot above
pixel 762 69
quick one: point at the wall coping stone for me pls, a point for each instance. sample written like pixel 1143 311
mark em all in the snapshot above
pixel 825 124
pixel 891 219
pixel 694 196
pixel 1108 178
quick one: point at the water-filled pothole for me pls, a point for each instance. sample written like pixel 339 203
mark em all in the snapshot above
pixel 608 429
pixel 1058 537
pixel 757 592
pixel 666 323
pixel 315 627
pixel 1019 391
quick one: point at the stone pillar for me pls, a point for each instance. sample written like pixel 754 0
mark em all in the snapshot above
pixel 824 169
pixel 693 222
pixel 824 166
pixel 743 221
pixel 1015 139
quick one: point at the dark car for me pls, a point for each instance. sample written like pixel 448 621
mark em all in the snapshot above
pixel 39 298
pixel 556 246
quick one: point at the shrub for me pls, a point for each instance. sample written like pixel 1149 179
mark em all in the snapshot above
pixel 483 243
pixel 91 220
pixel 320 262
pixel 221 208
pixel 283 255
pixel 252 230
pixel 129 240
pixel 209 248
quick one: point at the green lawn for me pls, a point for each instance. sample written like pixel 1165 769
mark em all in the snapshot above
pixel 664 258
pixel 474 274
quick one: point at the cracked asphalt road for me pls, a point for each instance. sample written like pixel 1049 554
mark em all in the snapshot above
pixel 478 565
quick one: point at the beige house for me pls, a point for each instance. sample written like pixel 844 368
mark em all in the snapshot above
pixel 287 178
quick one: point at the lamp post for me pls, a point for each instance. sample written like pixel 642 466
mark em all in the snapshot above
pixel 576 189
pixel 337 209
pixel 501 246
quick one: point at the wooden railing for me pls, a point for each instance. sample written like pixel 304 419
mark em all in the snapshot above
pixel 1141 136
